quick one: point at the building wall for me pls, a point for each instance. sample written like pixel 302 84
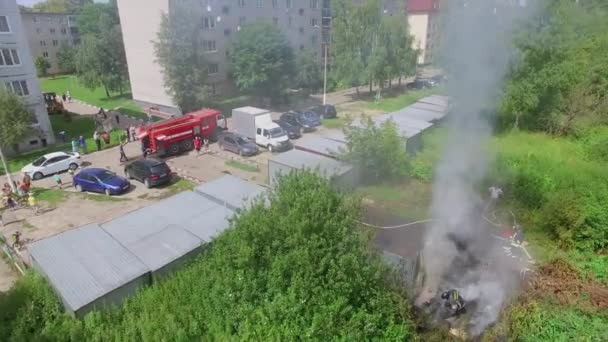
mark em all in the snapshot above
pixel 419 23
pixel 47 33
pixel 23 73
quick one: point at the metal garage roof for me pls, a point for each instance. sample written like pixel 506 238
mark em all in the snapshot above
pixel 304 160
pixel 208 224
pixel 436 100
pixel 420 114
pixel 85 263
pixel 323 146
pixel 428 106
pixel 230 191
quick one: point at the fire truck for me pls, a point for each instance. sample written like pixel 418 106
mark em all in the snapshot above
pixel 176 135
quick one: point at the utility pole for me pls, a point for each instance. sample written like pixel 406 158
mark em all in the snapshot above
pixel 325 76
pixel 8 173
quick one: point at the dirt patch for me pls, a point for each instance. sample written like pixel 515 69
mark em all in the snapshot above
pixel 563 282
pixel 7 276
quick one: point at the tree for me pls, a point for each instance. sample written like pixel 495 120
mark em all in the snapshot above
pixel 42 66
pixel 180 51
pixel 66 58
pixel 15 124
pixel 308 71
pixel 378 150
pixel 60 6
pixel 100 59
pixel 262 59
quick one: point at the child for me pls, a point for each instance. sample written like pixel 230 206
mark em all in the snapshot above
pixel 58 181
pixel 197 144
pixel 71 172
pixel 31 200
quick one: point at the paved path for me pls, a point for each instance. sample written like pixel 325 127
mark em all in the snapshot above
pixel 7 276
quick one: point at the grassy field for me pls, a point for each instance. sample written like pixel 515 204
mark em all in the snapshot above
pixel 409 199
pixel 242 166
pixel 334 123
pixel 393 103
pixel 97 97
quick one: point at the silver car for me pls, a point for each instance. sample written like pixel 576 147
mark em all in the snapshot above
pixel 237 144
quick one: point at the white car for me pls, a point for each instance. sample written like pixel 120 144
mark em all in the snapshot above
pixel 52 163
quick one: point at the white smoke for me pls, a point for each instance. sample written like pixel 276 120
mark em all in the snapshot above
pixel 476 49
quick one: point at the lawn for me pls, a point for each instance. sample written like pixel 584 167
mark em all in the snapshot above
pixel 334 123
pixel 393 103
pixel 97 97
pixel 242 166
pixel 409 199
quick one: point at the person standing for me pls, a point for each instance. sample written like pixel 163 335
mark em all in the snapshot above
pixel 132 131
pixel 197 144
pixel 58 181
pixel 71 172
pixel 123 156
pixel 67 94
pixel 83 144
pixel 128 134
pixel 206 144
pixel 106 137
pixel 75 147
pixel 97 139
pixel 63 97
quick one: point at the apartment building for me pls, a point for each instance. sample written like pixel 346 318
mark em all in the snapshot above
pixel 47 33
pixel 423 18
pixel 18 75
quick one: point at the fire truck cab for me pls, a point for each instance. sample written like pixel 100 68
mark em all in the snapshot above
pixel 176 135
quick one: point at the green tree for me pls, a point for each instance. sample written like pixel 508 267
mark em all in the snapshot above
pixel 180 51
pixel 262 60
pixel 378 150
pixel 15 124
pixel 308 71
pixel 42 66
pixel 60 6
pixel 100 59
pixel 66 58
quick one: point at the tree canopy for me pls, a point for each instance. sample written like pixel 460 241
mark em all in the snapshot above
pixel 66 58
pixel 180 50
pixel 60 6
pixel 42 66
pixel 308 71
pixel 262 60
pixel 15 119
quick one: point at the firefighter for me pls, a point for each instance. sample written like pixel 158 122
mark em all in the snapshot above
pixel 453 300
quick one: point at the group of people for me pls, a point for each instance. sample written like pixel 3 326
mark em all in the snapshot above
pixel 9 198
pixel 99 136
pixel 130 134
pixel 200 143
pixel 66 97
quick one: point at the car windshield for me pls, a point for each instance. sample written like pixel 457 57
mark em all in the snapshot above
pixel 160 168
pixel 276 132
pixel 39 161
pixel 106 176
pixel 240 141
pixel 309 115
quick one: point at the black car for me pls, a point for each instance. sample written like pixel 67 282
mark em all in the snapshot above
pixel 324 111
pixel 306 120
pixel 150 171
pixel 422 83
pixel 237 144
pixel 293 131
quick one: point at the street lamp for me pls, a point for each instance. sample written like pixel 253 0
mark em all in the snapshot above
pixel 324 66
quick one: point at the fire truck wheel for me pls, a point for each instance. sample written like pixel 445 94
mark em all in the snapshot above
pixel 173 149
pixel 187 145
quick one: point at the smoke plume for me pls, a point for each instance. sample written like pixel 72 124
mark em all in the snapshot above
pixel 459 251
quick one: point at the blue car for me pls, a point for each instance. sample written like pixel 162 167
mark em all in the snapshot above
pixel 101 180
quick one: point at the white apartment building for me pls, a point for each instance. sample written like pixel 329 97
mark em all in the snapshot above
pixel 18 74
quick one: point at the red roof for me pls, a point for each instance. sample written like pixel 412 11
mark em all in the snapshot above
pixel 422 5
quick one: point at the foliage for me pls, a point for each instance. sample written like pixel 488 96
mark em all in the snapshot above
pixel 42 66
pixel 100 59
pixel 560 81
pixel 422 167
pixel 368 46
pixel 66 58
pixel 308 71
pixel 180 50
pixel 377 150
pixel 262 60
pixel 60 6
pixel 297 268
pixel 15 119
pixel 242 166
pixel 391 104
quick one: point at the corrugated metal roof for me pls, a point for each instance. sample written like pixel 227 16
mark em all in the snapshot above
pixel 304 160
pixel 209 223
pixel 84 264
pixel 231 191
pixel 429 106
pixel 251 110
pixel 420 114
pixel 163 247
pixel 327 147
pixel 436 100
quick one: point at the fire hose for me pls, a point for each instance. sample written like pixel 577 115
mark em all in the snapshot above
pixel 395 227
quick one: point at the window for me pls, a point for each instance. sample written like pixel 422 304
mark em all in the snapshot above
pixel 275 21
pixel 227 54
pixel 9 57
pixel 227 32
pixel 63 30
pixel 42 43
pixel 314 4
pixel 55 42
pixel 38 30
pixel 314 39
pixel 314 22
pixel 35 19
pixel 242 20
pixel 208 23
pixel 301 11
pixel 213 68
pixel 301 30
pixel 45 54
pixel 4 27
pixel 226 9
pixel 259 3
pixel 275 3
pixel 288 3
pixel 18 88
pixel 52 31
pixel 289 20
pixel 213 89
pixel 242 3
pixel 209 45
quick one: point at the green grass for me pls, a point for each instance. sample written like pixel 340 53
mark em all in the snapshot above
pixel 242 166
pixel 334 123
pixel 410 199
pixel 390 104
pixel 52 197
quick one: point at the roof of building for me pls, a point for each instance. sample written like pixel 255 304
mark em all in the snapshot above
pixel 334 134
pixel 85 263
pixel 422 6
pixel 429 106
pixel 324 146
pixel 251 110
pixel 419 114
pixel 297 159
pixel 230 191
pixel 436 100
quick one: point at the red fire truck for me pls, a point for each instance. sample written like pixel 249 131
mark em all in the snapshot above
pixel 176 135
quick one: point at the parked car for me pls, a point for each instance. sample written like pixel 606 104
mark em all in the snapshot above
pixel 237 144
pixel 52 163
pixel 325 111
pixel 422 83
pixel 293 131
pixel 150 171
pixel 101 180
pixel 306 120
